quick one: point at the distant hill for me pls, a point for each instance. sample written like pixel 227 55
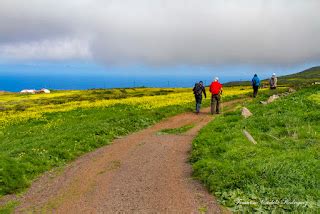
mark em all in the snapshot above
pixel 313 72
pixel 302 78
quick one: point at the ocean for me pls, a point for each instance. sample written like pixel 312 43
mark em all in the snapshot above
pixel 16 83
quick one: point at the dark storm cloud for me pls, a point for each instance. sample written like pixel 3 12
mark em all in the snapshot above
pixel 162 32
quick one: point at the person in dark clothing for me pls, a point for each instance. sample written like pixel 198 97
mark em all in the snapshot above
pixel 255 84
pixel 198 89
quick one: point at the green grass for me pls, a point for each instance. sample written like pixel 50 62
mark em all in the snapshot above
pixel 35 146
pixel 276 174
pixel 8 207
pixel 179 130
pixel 315 97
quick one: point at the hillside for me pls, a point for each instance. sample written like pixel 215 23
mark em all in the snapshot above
pixel 279 174
pixel 311 73
pixel 299 79
pixel 305 77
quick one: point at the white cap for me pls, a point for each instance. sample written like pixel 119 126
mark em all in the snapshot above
pixel 216 78
pixel 273 74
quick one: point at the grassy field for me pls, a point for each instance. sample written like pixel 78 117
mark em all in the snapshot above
pixel 281 173
pixel 43 131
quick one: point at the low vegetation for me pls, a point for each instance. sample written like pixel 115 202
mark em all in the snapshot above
pixel 281 172
pixel 297 80
pixel 8 207
pixel 16 108
pixel 179 130
pixel 43 131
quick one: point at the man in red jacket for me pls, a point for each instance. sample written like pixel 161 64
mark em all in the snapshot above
pixel 216 91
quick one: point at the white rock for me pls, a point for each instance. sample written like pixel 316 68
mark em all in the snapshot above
pixel 249 137
pixel 245 112
pixel 272 98
pixel 291 90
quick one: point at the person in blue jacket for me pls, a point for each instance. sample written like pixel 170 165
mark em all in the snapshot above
pixel 255 84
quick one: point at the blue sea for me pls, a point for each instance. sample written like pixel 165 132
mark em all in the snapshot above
pixel 15 83
pixel 88 75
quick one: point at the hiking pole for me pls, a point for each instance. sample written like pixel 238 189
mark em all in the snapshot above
pixel 221 103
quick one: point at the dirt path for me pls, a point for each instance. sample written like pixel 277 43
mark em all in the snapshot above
pixel 141 173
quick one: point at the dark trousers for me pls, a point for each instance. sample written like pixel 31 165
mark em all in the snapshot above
pixel 198 103
pixel 255 90
pixel 215 103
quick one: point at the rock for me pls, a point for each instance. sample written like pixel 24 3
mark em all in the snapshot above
pixel 249 137
pixel 263 102
pixel 291 90
pixel 272 98
pixel 245 112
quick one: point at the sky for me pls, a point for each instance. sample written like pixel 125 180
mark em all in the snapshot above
pixel 158 37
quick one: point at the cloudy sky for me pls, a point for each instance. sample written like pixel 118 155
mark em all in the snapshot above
pixel 161 33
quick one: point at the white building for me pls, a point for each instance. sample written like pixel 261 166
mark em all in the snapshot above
pixel 44 90
pixel 28 91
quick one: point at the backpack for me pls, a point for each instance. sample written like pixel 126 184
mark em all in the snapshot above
pixel 197 89
pixel 255 81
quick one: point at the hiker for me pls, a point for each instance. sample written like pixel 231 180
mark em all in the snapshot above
pixel 216 91
pixel 273 81
pixel 255 84
pixel 198 89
